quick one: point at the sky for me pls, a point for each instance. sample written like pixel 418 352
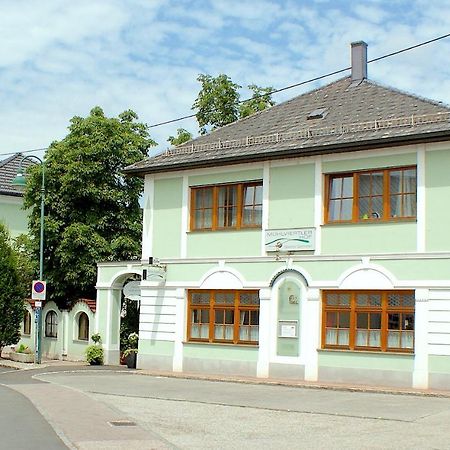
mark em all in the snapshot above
pixel 60 58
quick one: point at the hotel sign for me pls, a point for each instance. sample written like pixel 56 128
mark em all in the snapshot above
pixel 290 240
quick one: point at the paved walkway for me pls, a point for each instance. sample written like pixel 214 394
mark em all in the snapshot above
pixel 79 421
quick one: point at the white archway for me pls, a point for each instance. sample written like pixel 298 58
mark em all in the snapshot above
pixel 367 276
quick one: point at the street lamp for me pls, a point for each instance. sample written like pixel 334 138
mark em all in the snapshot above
pixel 20 182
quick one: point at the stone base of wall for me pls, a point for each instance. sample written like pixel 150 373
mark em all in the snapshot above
pixel 372 377
pixel 22 357
pixel 286 371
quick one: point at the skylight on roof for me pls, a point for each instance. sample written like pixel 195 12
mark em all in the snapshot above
pixel 319 113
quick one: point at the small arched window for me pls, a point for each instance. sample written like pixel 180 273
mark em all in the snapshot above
pixel 51 324
pixel 83 327
pixel 26 322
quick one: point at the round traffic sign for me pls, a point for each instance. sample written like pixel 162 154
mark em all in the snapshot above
pixel 39 287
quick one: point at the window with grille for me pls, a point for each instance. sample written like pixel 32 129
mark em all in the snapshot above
pixel 372 195
pixel 227 206
pixel 368 320
pixel 223 316
pixel 51 324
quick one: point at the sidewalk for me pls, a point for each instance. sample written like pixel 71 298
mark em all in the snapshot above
pixel 242 379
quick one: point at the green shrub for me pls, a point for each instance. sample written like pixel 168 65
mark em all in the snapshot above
pixel 23 349
pixel 96 338
pixel 94 355
pixel 129 351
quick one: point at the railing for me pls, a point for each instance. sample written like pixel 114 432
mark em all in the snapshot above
pixel 312 132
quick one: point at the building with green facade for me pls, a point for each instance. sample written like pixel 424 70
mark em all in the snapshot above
pixel 11 199
pixel 308 241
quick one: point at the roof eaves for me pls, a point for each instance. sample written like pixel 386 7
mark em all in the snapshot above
pixel 435 136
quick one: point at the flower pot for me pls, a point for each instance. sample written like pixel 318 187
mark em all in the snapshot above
pixel 130 360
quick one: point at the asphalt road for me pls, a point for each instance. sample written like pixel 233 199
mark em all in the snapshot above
pixel 22 426
pixel 187 414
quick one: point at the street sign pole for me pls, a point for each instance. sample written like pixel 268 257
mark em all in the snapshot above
pixel 38 293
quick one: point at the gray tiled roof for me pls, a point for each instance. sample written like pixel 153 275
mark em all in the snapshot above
pixel 358 116
pixel 8 171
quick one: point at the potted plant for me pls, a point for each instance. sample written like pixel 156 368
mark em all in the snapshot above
pixel 94 352
pixel 130 353
pixel 22 354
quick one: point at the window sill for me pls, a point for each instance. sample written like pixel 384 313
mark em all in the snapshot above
pixel 80 341
pixel 26 335
pixel 369 222
pixel 219 344
pixel 226 230
pixel 366 352
pixel 53 338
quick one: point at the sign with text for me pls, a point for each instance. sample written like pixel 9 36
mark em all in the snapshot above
pixel 290 240
pixel 38 290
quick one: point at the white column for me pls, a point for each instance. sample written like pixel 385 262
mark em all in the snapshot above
pixel 421 229
pixel 180 322
pixel 265 206
pixel 65 332
pixel 420 374
pixel 184 218
pixel 311 323
pixel 262 368
pixel 147 223
pixel 318 205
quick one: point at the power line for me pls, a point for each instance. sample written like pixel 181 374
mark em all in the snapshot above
pixel 316 78
pixel 25 151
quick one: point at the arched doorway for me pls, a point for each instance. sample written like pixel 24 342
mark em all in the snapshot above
pixel 117 317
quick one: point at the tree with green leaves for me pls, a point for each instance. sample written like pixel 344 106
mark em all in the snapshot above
pixel 92 210
pixel 218 102
pixel 181 137
pixel 260 100
pixel 12 293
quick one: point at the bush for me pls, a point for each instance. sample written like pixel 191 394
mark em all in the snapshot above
pixel 94 355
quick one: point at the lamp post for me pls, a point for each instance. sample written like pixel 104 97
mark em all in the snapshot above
pixel 20 182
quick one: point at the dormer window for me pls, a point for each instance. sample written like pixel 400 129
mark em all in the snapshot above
pixel 319 113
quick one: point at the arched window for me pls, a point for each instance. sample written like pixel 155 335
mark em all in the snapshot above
pixel 51 324
pixel 83 327
pixel 26 322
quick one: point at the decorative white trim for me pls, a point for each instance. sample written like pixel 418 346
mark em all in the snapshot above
pixel 292 268
pixel 421 200
pixel 107 343
pixel 184 217
pixel 147 224
pixel 318 204
pixel 421 349
pixel 422 295
pixel 180 327
pixel 297 279
pixel 300 258
pixel 366 276
pixel 265 206
pixel 265 336
pixel 221 277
